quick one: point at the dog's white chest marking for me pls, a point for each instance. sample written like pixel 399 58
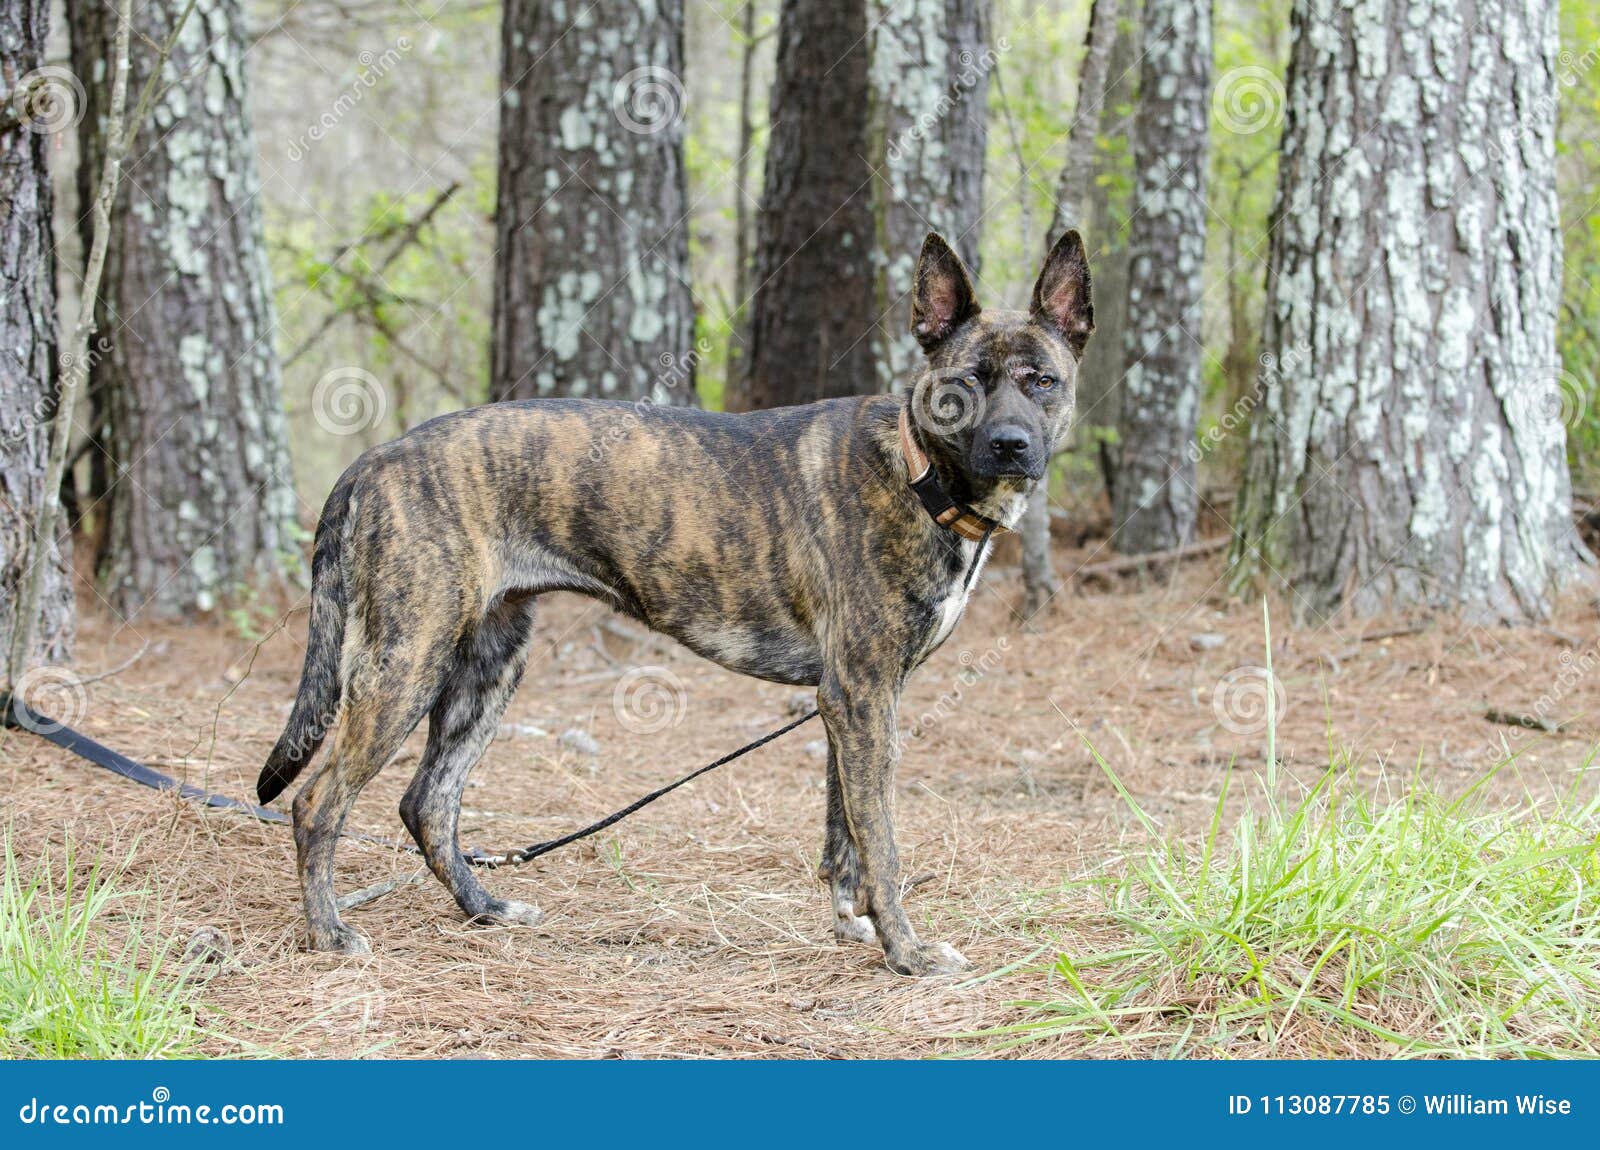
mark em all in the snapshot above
pixel 955 602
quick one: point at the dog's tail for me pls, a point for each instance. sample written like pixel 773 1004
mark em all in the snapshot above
pixel 317 703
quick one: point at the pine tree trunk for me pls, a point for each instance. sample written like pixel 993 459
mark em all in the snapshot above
pixel 1155 499
pixel 195 489
pixel 1072 200
pixel 591 290
pixel 812 321
pixel 1410 447
pixel 28 364
pixel 1100 374
pixel 930 88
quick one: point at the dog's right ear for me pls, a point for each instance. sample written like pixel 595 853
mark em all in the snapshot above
pixel 941 298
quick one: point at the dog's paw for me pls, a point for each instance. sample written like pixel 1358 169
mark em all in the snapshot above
pixel 854 928
pixel 929 960
pixel 509 913
pixel 341 939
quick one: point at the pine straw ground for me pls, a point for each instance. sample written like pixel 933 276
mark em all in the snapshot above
pixel 697 928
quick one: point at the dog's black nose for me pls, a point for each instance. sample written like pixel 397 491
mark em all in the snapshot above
pixel 1008 442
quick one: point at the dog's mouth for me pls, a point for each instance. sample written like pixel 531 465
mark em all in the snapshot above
pixel 1016 472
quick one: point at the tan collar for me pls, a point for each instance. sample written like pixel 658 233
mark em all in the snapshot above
pixel 946 512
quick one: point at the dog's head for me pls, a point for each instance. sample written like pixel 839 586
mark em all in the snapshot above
pixel 995 398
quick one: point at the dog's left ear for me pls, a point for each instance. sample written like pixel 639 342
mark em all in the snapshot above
pixel 1062 296
pixel 941 298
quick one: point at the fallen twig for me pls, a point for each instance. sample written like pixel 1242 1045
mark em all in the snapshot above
pixel 1528 722
pixel 374 892
pixel 98 676
pixel 1127 563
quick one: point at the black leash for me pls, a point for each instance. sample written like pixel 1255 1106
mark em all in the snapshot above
pixel 17 716
pixel 512 858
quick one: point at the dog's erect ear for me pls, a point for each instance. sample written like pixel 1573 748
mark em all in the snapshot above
pixel 941 297
pixel 1062 297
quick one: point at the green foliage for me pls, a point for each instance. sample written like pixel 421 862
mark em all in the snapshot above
pixel 67 991
pixel 1578 78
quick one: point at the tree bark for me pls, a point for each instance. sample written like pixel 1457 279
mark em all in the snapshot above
pixel 813 321
pixel 1410 447
pixel 193 477
pixel 29 384
pixel 931 62
pixel 1155 499
pixel 741 179
pixel 591 293
pixel 1109 204
pixel 1072 201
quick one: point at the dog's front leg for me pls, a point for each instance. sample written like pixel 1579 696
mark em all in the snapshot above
pixel 863 752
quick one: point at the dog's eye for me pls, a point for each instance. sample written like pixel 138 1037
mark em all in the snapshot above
pixel 1044 383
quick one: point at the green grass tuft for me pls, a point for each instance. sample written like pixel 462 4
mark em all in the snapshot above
pixel 1354 922
pixel 65 990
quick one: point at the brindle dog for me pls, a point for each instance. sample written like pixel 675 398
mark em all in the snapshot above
pixel 782 544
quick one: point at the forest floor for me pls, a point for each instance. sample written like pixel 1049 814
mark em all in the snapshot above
pixel 698 927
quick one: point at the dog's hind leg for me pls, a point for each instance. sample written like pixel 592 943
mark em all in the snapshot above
pixel 370 734
pixel 841 864
pixel 488 666
pixel 386 695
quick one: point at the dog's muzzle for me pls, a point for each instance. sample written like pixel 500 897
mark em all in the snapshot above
pixel 1007 451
